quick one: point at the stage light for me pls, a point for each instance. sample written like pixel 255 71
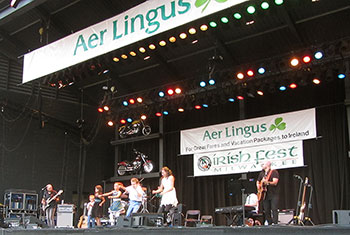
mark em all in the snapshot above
pixel 116 59
pixel 224 20
pixel 261 70
pixel 123 121
pixel 278 2
pixel 239 97
pixel 172 39
pixel 250 73
pixel 165 112
pixel 178 90
pixel 132 53
pixel 125 103
pixel 100 110
pixel 265 5
pixel 259 92
pixel 318 55
pixel 194 41
pixel 14 3
pixel 131 101
pixel 183 35
pixel 316 81
pixel 139 99
pixel 162 43
pixel 170 92
pixel 152 46
pixel 192 31
pixel 306 59
pixel 181 110
pixel 106 108
pixel 293 85
pixel 147 57
pixel 158 114
pixel 110 123
pixel 251 10
pixel 283 88
pixel 197 107
pixel 129 120
pixel 240 76
pixel 211 82
pixel 341 75
pixel 204 27
pixel 294 62
pixel 237 16
pixel 205 105
pixel 124 56
pixel 143 117
pixel 231 100
pixel 142 50
pixel 202 83
pixel 105 71
pixel 212 24
pixel 161 94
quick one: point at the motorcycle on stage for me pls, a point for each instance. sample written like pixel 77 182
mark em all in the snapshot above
pixel 141 163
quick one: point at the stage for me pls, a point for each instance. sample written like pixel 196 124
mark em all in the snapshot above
pixel 279 229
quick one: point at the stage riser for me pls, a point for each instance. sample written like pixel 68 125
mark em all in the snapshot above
pixel 330 229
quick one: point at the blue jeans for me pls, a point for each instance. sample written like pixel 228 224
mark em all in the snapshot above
pixel 90 222
pixel 133 207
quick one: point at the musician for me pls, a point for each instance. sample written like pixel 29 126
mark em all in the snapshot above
pixel 97 210
pixel 268 179
pixel 51 207
pixel 167 191
pixel 135 196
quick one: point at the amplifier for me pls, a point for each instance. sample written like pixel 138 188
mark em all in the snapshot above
pixel 65 208
pixel 284 216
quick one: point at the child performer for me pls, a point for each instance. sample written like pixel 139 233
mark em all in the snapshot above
pixel 91 218
pixel 99 201
pixel 135 196
pixel 116 206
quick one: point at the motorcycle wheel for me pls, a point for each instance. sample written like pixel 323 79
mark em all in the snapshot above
pixel 146 130
pixel 122 134
pixel 121 170
pixel 148 167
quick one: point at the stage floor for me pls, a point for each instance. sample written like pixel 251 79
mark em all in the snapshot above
pixel 279 229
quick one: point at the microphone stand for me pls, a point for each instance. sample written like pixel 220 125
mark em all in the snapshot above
pixel 295 218
pixel 243 207
pixel 309 206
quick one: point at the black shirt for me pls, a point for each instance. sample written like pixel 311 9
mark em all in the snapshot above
pixel 48 195
pixel 271 189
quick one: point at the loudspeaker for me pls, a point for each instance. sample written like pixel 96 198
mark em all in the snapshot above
pixel 33 222
pixel 123 222
pixel 147 219
pixel 176 219
pixel 341 216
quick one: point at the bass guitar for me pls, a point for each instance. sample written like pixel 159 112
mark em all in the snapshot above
pixel 51 199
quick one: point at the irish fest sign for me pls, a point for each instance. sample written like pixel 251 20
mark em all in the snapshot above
pixel 281 156
pixel 279 128
pixel 143 21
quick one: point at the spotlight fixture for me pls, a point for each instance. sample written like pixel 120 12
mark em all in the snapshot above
pixel 152 46
pixel 181 110
pixel 261 70
pixel 192 31
pixel 205 105
pixel 125 103
pixel 124 56
pixel 250 73
pixel 178 90
pixel 132 53
pixel 129 120
pixel 204 27
pixel 110 123
pixel 240 76
pixel 278 2
pixel 239 97
pixel 139 99
pixel 131 101
pixel 172 39
pixel 142 50
pixel 224 20
pixel 122 121
pixel 170 91
pixel 211 81
pixel 106 108
pixel 231 100
pixel 162 43
pixel 202 84
pixel 251 9
pixel 293 85
pixel 294 62
pixel 161 94
pixel 265 5
pixel 282 88
pixel 306 59
pixel 197 107
pixel 260 92
pixel 213 24
pixel 316 81
pixel 237 16
pixel 318 55
pixel 165 112
pixel 158 114
pixel 143 117
pixel 183 36
pixel 341 75
pixel 116 59
pixel 100 110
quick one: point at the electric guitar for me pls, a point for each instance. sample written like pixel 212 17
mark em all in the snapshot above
pixel 301 215
pixel 51 199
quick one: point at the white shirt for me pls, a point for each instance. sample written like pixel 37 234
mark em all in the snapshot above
pixel 133 193
pixel 168 198
pixel 252 199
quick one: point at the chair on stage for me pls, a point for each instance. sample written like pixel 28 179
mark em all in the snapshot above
pixel 192 216
pixel 206 220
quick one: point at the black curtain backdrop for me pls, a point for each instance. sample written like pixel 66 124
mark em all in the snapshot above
pixel 326 159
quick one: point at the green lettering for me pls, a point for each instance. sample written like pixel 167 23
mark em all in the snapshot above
pixel 80 42
pixel 172 14
pixel 101 36
pixel 92 39
pixel 142 23
pixel 115 31
pixel 187 6
pixel 151 21
pixel 206 135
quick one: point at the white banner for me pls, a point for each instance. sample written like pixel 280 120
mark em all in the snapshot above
pixel 284 155
pixel 272 129
pixel 143 21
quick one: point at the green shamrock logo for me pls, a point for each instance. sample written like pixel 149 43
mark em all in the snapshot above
pixel 278 125
pixel 200 3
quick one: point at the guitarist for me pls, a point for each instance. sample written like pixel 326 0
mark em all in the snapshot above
pixel 267 184
pixel 51 207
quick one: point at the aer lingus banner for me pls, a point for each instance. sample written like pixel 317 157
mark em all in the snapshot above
pixel 285 127
pixel 281 156
pixel 143 21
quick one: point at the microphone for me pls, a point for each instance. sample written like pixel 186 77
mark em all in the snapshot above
pixel 298 176
pixel 43 188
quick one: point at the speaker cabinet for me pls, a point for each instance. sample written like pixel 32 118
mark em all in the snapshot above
pixel 284 216
pixel 147 219
pixel 341 217
pixel 123 222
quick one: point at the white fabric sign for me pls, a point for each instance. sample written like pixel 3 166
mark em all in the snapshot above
pixel 281 156
pixel 285 127
pixel 143 21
